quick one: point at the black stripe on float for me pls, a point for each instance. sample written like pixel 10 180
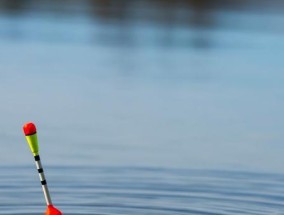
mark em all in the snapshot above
pixel 30 134
pixel 40 170
pixel 43 182
pixel 37 158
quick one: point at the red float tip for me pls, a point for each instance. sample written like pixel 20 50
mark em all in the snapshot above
pixel 29 128
pixel 52 211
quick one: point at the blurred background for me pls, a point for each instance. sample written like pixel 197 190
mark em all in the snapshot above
pixel 190 84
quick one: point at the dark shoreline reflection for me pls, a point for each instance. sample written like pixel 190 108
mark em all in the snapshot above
pixel 197 17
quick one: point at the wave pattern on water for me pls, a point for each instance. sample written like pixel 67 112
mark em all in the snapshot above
pixel 125 190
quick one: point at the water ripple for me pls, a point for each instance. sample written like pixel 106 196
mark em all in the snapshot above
pixel 124 190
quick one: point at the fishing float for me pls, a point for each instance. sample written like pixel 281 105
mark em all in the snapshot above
pixel 31 137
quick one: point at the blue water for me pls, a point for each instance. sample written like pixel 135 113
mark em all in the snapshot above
pixel 143 108
pixel 128 190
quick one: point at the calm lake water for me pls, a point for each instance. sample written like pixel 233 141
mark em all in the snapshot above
pixel 126 190
pixel 143 107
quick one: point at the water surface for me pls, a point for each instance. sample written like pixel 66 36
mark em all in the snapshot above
pixel 143 107
pixel 127 190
